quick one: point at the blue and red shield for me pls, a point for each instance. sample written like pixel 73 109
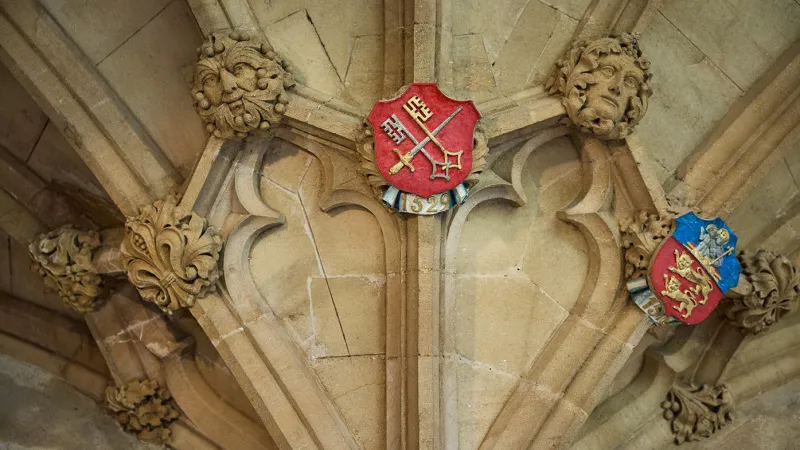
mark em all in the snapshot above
pixel 694 267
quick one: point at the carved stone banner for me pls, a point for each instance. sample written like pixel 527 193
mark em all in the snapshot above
pixel 64 258
pixel 605 85
pixel 423 144
pixel 170 255
pixel 240 86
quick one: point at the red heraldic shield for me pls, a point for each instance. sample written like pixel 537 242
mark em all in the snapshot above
pixel 423 140
pixel 679 280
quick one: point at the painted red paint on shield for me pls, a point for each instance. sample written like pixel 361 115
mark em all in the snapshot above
pixel 401 126
pixel 663 260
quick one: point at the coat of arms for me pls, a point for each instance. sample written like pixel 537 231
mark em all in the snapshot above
pixel 690 272
pixel 423 148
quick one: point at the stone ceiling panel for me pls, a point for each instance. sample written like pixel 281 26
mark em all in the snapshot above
pixel 743 38
pixel 100 26
pixel 323 274
pixel 152 73
pixel 692 94
pixel 21 119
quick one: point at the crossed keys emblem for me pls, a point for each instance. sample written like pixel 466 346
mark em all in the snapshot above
pixel 420 112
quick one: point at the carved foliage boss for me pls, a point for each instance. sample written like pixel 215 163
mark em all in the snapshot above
pixel 143 408
pixel 770 292
pixel 697 412
pixel 240 86
pixel 170 255
pixel 605 85
pixel 64 258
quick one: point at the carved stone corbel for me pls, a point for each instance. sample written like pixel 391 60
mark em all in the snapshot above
pixel 143 408
pixel 64 258
pixel 170 255
pixel 768 290
pixel 604 84
pixel 240 86
pixel 697 412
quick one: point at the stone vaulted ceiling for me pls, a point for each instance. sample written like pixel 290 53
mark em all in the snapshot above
pixel 320 318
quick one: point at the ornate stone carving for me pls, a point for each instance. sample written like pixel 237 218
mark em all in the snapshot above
pixel 143 408
pixel 240 86
pixel 605 85
pixel 697 412
pixel 170 255
pixel 64 258
pixel 770 291
pixel 365 146
pixel 641 235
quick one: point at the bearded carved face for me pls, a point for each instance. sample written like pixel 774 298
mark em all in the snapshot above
pixel 240 87
pixel 605 84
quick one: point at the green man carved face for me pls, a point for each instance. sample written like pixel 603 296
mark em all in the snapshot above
pixel 605 84
pixel 239 87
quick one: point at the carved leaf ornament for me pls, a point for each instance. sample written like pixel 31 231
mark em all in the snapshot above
pixel 697 411
pixel 641 235
pixel 64 258
pixel 775 287
pixel 143 408
pixel 171 255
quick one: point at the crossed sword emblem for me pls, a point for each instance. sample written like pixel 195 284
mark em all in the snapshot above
pixel 420 112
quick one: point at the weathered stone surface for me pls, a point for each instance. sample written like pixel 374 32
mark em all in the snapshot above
pixel 772 197
pixel 692 94
pixel 357 386
pixel 495 317
pixel 494 24
pixel 54 160
pixel 472 71
pixel 338 32
pixel 363 80
pixel 151 71
pixel 520 54
pixel 100 27
pixel 482 391
pixel 741 38
pixel 21 120
pixel 295 39
pixel 42 411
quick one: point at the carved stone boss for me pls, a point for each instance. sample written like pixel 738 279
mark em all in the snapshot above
pixel 767 291
pixel 605 85
pixel 240 86
pixel 696 412
pixel 64 258
pixel 143 408
pixel 421 151
pixel 170 255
